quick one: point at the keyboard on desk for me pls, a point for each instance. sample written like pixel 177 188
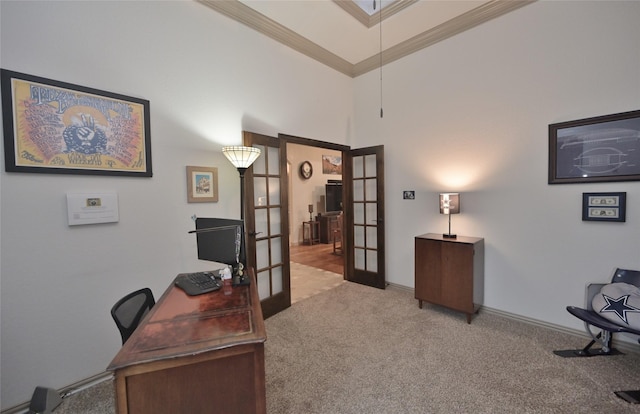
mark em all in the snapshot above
pixel 198 283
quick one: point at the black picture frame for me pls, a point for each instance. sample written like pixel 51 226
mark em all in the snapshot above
pixel 55 127
pixel 604 207
pixel 599 149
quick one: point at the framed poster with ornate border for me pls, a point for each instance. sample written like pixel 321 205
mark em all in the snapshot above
pixel 600 149
pixel 57 127
pixel 202 184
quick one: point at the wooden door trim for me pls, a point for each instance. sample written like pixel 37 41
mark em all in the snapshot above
pixel 292 139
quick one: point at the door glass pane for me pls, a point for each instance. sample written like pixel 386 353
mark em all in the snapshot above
pixel 274 191
pixel 358 167
pixel 358 213
pixel 372 237
pixel 274 161
pixel 261 222
pixel 370 165
pixel 371 213
pixel 359 259
pixel 276 225
pixel 372 261
pixel 259 165
pixel 276 276
pixel 276 250
pixel 358 190
pixel 264 284
pixel 260 191
pixel 262 254
pixel 358 236
pixel 370 190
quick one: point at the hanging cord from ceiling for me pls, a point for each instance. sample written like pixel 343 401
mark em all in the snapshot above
pixel 380 24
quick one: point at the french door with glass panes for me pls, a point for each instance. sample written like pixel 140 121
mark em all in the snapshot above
pixel 365 216
pixel 267 222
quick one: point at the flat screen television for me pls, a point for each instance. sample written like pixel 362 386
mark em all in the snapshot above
pixel 221 240
pixel 333 196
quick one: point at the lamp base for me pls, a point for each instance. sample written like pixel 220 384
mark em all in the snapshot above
pixel 449 236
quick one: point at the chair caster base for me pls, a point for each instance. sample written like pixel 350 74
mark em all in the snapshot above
pixel 632 397
pixel 581 353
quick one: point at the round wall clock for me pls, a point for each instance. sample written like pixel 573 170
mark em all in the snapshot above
pixel 306 170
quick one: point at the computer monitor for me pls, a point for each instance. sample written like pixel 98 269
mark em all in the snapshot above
pixel 221 240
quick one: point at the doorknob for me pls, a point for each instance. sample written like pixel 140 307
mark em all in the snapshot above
pixel 253 233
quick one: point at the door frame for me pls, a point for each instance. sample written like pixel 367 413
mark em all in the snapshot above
pixel 344 150
pixel 282 300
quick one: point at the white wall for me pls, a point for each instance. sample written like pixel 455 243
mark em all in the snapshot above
pixel 471 114
pixel 207 78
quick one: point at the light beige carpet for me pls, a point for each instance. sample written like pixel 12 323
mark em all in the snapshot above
pixel 355 349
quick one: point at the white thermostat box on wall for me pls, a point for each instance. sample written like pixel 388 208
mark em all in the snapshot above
pixel 92 208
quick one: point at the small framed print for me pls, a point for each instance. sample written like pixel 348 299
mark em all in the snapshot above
pixel 604 206
pixel 408 195
pixel 202 184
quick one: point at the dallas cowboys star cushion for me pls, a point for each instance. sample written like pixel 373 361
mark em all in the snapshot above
pixel 619 303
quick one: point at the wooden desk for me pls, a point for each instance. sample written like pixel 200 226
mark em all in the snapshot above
pixel 195 354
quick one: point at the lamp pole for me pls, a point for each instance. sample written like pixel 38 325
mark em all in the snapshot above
pixel 242 207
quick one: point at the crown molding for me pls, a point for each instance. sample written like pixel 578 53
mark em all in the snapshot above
pixel 268 27
pixel 459 24
pixel 261 23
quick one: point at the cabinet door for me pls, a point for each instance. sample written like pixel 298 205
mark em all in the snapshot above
pixel 428 270
pixel 457 276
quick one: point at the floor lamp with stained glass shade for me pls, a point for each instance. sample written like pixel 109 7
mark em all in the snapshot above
pixel 241 157
pixel 449 204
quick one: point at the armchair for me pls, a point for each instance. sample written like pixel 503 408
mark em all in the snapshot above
pixel 592 318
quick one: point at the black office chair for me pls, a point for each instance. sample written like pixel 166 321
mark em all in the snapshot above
pixel 129 311
pixel 591 318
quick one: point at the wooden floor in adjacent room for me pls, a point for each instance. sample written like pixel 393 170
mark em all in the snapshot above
pixel 318 255
pixel 314 269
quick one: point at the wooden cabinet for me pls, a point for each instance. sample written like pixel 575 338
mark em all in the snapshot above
pixel 450 272
pixel 328 223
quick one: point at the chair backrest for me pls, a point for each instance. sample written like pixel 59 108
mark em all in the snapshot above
pixel 129 311
pixel 631 277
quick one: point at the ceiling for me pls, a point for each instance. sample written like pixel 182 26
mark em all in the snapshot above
pixel 341 35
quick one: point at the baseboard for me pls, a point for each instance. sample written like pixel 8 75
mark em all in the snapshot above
pixel 65 391
pixel 401 287
pixel 624 346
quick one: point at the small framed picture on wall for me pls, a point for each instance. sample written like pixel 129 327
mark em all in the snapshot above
pixel 202 184
pixel 604 206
